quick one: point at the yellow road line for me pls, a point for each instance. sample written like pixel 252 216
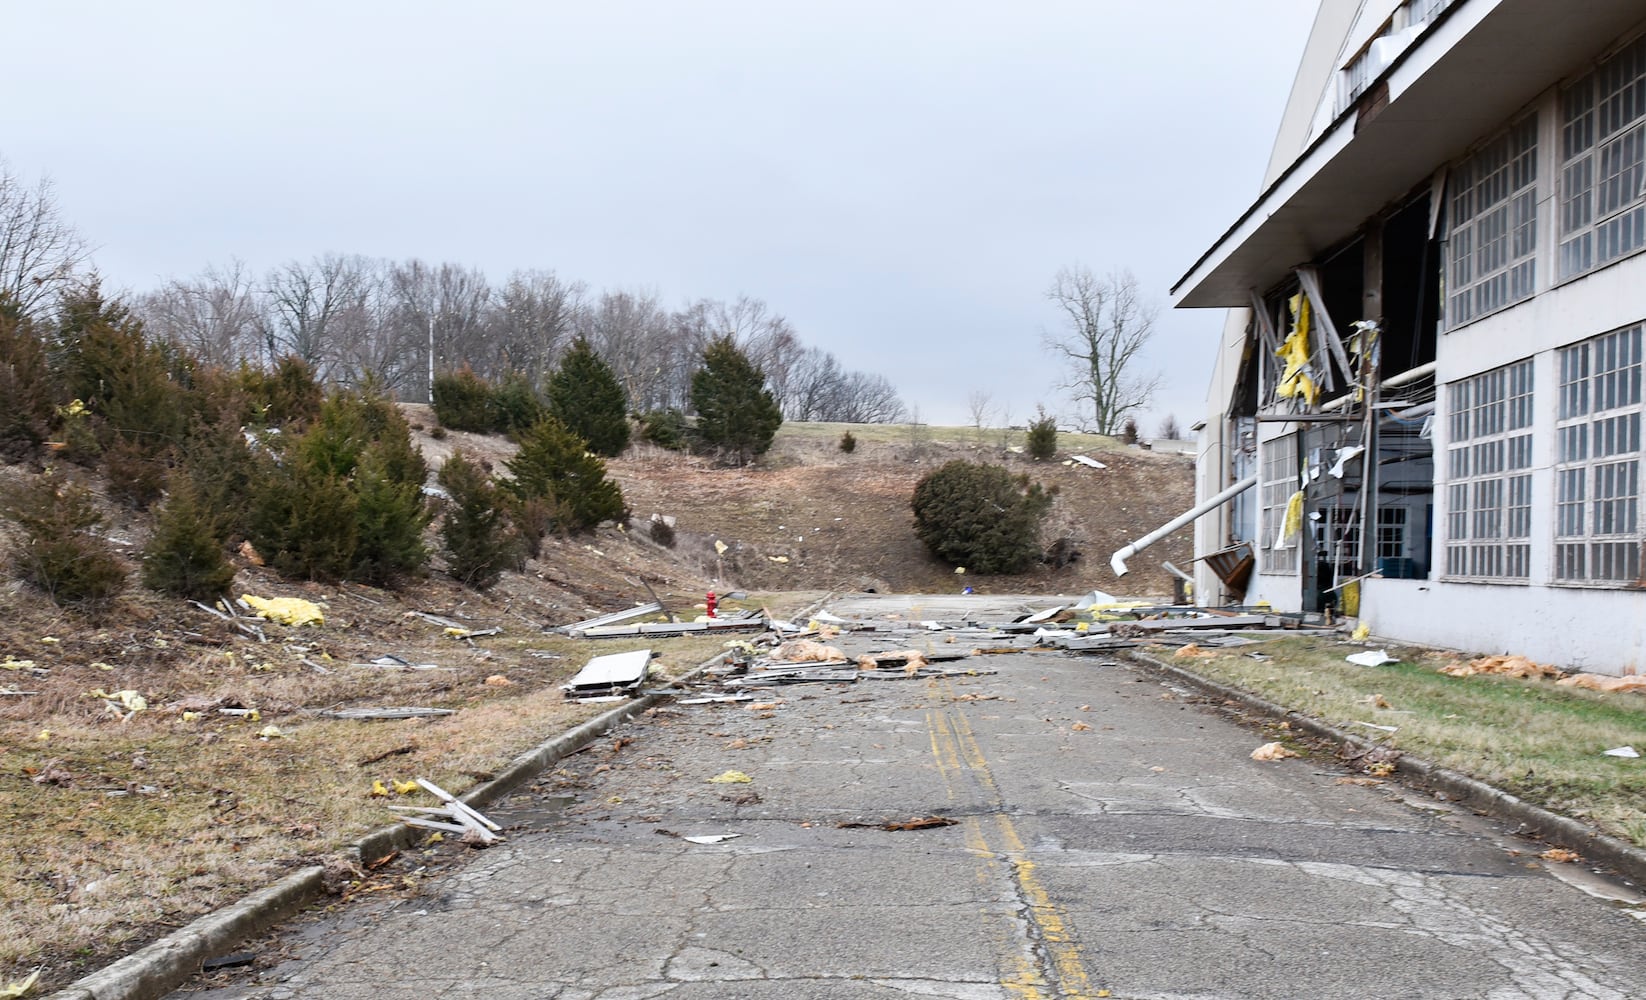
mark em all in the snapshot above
pixel 956 750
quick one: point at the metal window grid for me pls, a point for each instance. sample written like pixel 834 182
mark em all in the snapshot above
pixel 1597 471
pixel 1491 252
pixel 1280 481
pixel 1603 154
pixel 1489 475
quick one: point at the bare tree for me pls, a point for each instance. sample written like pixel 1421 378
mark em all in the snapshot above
pixel 40 254
pixel 530 318
pixel 977 404
pixel 1106 325
pixel 437 319
pixel 815 382
pixel 868 399
pixel 215 316
pixel 314 307
pixel 765 337
pixel 632 333
pixel 1169 429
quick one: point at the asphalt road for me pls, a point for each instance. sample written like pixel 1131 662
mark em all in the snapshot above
pixel 1113 838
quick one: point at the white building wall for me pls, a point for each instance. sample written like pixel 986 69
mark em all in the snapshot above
pixel 1547 624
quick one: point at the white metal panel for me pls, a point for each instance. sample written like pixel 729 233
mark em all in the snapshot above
pixel 613 670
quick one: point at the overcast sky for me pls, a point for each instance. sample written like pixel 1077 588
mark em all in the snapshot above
pixel 900 179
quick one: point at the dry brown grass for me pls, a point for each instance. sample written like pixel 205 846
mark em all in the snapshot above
pixel 124 828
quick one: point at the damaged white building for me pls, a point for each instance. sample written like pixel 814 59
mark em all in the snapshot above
pixel 1429 380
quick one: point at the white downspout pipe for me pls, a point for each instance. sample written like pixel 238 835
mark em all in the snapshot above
pixel 1117 562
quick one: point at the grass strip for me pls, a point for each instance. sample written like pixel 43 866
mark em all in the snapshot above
pixel 1532 738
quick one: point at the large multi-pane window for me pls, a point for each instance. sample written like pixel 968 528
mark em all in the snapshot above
pixel 1491 253
pixel 1489 475
pixel 1603 163
pixel 1279 482
pixel 1597 470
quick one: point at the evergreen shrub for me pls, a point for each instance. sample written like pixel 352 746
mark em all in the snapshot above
pixel 980 517
pixel 60 552
pixel 555 467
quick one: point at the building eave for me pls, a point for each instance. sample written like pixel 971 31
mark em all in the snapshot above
pixel 1467 74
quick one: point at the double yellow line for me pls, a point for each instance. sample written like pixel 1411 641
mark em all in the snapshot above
pixel 960 760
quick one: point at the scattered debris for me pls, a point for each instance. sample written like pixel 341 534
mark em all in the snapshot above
pixel 285 610
pixel 1273 751
pixel 1605 682
pixel 1373 725
pixel 459 817
pixel 613 675
pixel 1510 666
pixel 731 778
pixel 711 838
pixel 1195 651
pixel 917 823
pixel 910 660
pixel 1371 658
pixel 578 628
pixel 237 960
pixel 806 651
pixel 372 714
pixel 1623 751
pixel 390 660
pixel 51 772
pixel 1378 761
pixel 459 632
pixel 20 987
pixel 1560 855
pixel 122 704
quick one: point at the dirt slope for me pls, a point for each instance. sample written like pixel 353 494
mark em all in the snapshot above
pixel 811 517
pixel 820 519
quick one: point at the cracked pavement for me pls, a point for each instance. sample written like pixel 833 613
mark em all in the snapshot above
pixel 1114 838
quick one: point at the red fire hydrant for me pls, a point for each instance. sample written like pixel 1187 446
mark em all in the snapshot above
pixel 710 603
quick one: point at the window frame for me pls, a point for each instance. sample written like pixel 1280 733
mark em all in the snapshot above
pixel 1279 480
pixel 1489 469
pixel 1602 169
pixel 1491 250
pixel 1598 460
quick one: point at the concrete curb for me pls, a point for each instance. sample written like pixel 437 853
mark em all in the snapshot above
pixel 161 967
pixel 1534 821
